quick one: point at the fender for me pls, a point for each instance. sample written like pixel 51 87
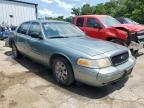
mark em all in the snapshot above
pixel 116 33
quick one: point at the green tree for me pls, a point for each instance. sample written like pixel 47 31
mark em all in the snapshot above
pixel 76 11
pixel 86 9
pixel 99 9
pixel 70 19
pixel 60 18
pixel 133 9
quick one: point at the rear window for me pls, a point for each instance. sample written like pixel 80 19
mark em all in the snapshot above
pixel 80 22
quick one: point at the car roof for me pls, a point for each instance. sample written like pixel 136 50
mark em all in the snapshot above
pixel 47 21
pixel 121 18
pixel 98 16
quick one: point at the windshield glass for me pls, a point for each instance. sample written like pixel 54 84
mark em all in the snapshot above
pixel 131 21
pixel 109 21
pixel 61 29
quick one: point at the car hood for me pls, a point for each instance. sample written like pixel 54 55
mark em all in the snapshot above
pixel 88 45
pixel 131 27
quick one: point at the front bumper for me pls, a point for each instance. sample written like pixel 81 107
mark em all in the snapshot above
pixel 140 36
pixel 102 77
pixel 135 42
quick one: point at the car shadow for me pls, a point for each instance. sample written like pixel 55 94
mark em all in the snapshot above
pixel 77 88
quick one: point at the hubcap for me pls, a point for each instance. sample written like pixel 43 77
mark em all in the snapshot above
pixel 61 71
pixel 14 51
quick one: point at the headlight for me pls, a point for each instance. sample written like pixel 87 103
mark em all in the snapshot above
pixel 99 63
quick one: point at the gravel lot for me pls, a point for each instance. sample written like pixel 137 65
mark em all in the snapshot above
pixel 26 84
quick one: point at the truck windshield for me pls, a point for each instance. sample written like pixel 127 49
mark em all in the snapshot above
pixel 109 21
pixel 61 30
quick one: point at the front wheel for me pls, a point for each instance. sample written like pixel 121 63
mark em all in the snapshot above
pixel 15 53
pixel 62 71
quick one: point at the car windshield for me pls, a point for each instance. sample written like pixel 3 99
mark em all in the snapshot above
pixel 109 21
pixel 61 30
pixel 130 21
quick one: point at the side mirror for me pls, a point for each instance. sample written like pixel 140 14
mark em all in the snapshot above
pixel 36 35
pixel 97 25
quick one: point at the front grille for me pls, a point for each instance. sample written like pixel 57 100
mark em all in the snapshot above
pixel 132 37
pixel 140 35
pixel 120 59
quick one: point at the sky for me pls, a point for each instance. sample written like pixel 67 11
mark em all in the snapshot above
pixel 54 8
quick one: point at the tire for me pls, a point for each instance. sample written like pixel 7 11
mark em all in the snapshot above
pixel 62 71
pixel 15 53
pixel 118 41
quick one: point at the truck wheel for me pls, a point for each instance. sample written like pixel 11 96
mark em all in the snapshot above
pixel 118 41
pixel 15 53
pixel 62 71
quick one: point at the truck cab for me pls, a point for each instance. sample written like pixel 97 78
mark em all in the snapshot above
pixel 108 28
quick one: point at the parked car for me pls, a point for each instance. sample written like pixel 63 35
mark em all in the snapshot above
pixel 127 21
pixel 71 55
pixel 108 28
pixel 3 33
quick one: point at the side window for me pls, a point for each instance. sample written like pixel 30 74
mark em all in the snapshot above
pixel 23 28
pixel 121 21
pixel 80 22
pixel 91 22
pixel 34 28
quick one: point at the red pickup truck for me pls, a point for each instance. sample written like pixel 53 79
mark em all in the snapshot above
pixel 108 28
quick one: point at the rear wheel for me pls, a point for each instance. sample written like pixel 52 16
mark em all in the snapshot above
pixel 15 53
pixel 62 71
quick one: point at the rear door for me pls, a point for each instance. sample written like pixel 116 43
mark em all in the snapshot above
pixel 80 23
pixel 21 37
pixel 36 45
pixel 91 30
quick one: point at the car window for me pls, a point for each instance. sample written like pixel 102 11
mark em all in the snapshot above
pixel 61 29
pixel 80 22
pixel 109 21
pixel 24 28
pixel 122 21
pixel 129 21
pixel 35 27
pixel 91 22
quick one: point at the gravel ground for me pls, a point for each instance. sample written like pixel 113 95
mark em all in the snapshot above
pixel 26 84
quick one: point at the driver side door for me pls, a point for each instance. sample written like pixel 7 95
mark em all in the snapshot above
pixel 91 30
pixel 36 44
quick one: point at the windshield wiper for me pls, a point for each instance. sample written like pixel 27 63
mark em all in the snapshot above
pixel 58 37
pixel 78 36
pixel 65 36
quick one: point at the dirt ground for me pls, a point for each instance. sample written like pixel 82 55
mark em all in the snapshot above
pixel 26 84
